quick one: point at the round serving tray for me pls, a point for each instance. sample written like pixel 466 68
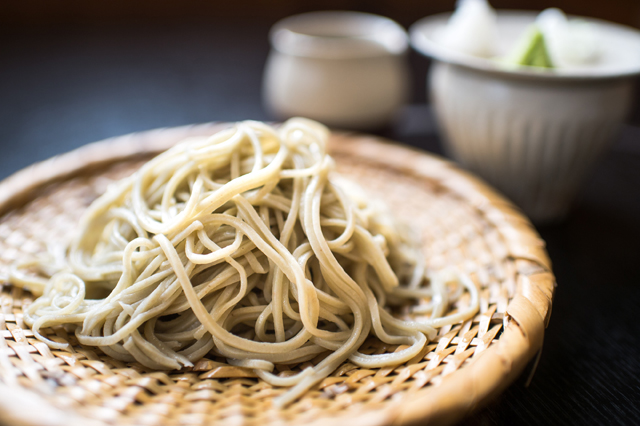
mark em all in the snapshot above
pixel 462 221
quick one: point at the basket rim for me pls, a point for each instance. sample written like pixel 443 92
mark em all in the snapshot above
pixel 526 315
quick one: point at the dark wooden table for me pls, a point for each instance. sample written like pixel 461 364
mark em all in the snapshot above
pixel 64 88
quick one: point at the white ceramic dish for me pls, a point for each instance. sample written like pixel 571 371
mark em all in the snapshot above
pixel 534 133
pixel 620 55
pixel 345 69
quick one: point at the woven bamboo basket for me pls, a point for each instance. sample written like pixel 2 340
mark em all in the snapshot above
pixel 463 222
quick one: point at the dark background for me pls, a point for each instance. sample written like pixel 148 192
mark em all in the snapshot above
pixel 76 71
pixel 41 13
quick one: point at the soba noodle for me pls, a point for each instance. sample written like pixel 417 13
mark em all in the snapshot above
pixel 247 245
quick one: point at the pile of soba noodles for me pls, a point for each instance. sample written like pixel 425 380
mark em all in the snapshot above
pixel 245 245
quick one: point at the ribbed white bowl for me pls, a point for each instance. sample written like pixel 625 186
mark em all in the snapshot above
pixel 535 140
pixel 533 134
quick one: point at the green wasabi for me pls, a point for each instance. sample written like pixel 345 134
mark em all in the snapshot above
pixel 531 50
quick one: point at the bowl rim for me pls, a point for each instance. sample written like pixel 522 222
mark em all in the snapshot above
pixel 362 35
pixel 425 45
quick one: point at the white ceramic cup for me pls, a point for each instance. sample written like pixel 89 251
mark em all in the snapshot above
pixel 345 69
pixel 533 134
